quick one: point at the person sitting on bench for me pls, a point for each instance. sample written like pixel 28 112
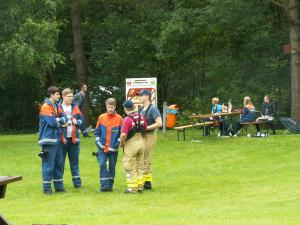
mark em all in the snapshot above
pixel 215 109
pixel 267 110
pixel 247 116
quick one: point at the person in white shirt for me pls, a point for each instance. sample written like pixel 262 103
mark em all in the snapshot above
pixel 70 134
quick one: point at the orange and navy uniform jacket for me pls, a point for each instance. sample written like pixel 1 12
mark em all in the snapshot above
pixel 107 132
pixel 76 113
pixel 50 119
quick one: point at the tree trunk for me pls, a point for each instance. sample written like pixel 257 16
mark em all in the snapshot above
pixel 295 59
pixel 80 60
pixel 79 55
pixel 202 90
pixel 49 78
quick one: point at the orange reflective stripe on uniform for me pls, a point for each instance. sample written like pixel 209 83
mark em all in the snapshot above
pixel 108 138
pixel 74 134
pixel 47 110
pixel 76 110
pixel 63 139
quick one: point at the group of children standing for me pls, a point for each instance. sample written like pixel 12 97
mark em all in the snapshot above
pixel 59 127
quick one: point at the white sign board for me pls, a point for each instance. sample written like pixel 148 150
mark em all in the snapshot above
pixel 135 85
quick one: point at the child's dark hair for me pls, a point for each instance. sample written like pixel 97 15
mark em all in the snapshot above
pixel 52 90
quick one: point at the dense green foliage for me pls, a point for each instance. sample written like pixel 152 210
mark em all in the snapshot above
pixel 213 182
pixel 198 48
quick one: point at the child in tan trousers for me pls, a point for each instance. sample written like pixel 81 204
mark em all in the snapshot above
pixel 133 146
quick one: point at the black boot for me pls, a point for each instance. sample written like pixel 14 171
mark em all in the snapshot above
pixel 60 190
pixel 48 192
pixel 147 185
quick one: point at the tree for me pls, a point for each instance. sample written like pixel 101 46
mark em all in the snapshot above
pixel 27 52
pixel 291 8
pixel 79 53
pixel 197 49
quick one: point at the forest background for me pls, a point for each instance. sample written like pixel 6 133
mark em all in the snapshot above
pixel 197 49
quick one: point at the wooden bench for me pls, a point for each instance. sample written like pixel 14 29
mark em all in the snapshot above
pixel 182 128
pixel 253 123
pixel 4 180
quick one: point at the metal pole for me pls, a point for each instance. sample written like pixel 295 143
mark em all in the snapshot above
pixel 165 118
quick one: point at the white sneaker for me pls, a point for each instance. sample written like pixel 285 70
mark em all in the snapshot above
pixel 248 135
pixel 225 136
pixel 89 129
pixel 235 135
pixel 219 134
pixel 198 141
pixel 258 134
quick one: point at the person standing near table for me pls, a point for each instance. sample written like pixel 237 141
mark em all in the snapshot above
pixel 70 135
pixel 154 121
pixel 133 145
pixel 107 132
pixel 51 119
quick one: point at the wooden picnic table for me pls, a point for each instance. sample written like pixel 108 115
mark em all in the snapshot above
pixel 207 116
pixel 4 180
pixel 182 128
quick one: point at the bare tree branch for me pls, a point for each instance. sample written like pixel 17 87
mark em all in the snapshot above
pixel 286 8
pixel 278 3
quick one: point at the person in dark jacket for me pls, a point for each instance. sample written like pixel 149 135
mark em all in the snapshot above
pixel 51 120
pixel 267 110
pixel 80 100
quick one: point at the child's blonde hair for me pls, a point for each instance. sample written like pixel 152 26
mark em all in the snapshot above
pixel 111 101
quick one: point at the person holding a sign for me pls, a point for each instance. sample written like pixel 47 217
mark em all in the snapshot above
pixel 154 121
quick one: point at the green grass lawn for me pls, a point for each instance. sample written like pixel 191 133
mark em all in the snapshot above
pixel 218 181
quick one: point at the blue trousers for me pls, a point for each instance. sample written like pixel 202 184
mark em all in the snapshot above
pixel 239 126
pixel 52 167
pixel 73 153
pixel 107 173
